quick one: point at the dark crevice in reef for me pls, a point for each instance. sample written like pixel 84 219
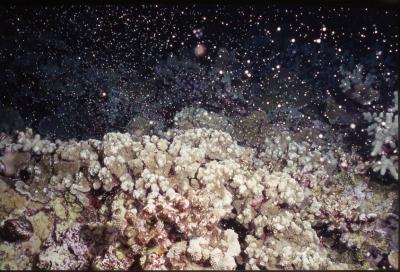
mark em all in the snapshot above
pixel 334 236
pixel 25 176
pixel 136 264
pixel 267 232
pixel 174 233
pixel 236 226
pixel 242 264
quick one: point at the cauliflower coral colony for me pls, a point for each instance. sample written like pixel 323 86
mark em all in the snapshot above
pixel 221 185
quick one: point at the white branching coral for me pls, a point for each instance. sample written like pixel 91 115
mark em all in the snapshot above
pixel 359 85
pixel 385 130
pixel 300 253
pixel 282 189
pixel 221 255
pixel 298 158
pixel 191 156
pixel 26 141
pixel 288 243
pixel 216 144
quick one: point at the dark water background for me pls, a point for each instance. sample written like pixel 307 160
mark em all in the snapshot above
pixel 81 71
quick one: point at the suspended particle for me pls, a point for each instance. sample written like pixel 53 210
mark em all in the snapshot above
pixel 199 50
pixel 198 32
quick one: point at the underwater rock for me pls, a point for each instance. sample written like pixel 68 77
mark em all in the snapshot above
pixel 143 125
pixel 66 250
pixel 251 129
pixel 35 183
pixel 394 259
pixel 17 229
pixel 190 117
pixel 67 211
pixel 13 201
pixel 42 225
pixel 11 163
pixel 12 258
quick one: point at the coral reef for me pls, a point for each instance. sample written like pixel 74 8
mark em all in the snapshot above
pixel 157 148
pixel 191 197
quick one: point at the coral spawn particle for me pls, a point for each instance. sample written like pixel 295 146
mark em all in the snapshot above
pixel 16 229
